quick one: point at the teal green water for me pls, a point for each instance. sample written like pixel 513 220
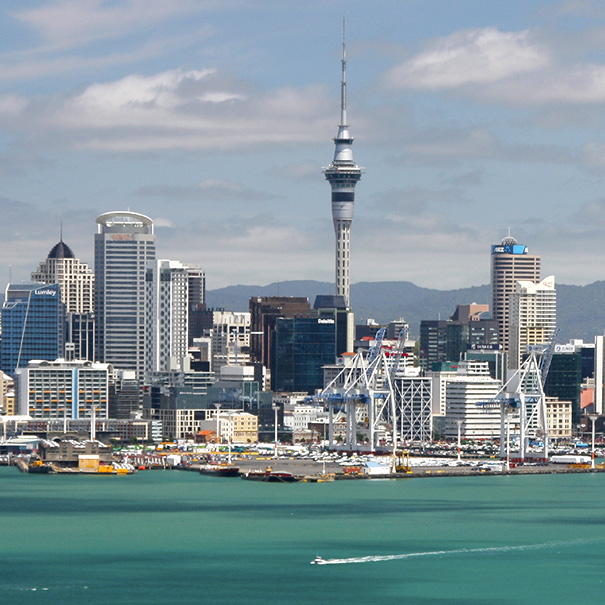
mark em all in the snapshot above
pixel 177 537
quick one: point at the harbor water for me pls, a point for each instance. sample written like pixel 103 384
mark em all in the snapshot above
pixel 178 537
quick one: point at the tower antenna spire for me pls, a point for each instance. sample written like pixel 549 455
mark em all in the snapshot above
pixel 343 174
pixel 343 83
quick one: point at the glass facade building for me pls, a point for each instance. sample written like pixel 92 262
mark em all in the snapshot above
pixel 33 324
pixel 302 346
pixel 564 381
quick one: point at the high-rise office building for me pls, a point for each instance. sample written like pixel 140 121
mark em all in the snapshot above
pixel 167 286
pixel 264 312
pixel 533 317
pixel 303 345
pixel 75 278
pixel 511 262
pixel 76 284
pixel 564 379
pixel 124 245
pixel 197 301
pixel 33 325
pixel 471 327
pixel 335 308
pixel 343 174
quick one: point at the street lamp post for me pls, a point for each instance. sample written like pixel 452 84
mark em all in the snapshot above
pixel 324 441
pixel 459 421
pixel 218 422
pixel 507 441
pixel 229 435
pixel 275 408
pixel 593 418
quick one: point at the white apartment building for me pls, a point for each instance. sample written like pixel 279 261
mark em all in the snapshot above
pixel 298 417
pixel 471 386
pixel 230 339
pixel 181 423
pixel 167 315
pixel 439 381
pixel 63 389
pixel 236 426
pixel 7 385
pixel 533 317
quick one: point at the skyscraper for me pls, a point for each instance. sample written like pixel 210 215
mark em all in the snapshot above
pixel 303 345
pixel 533 317
pixel 264 312
pixel 343 174
pixel 124 244
pixel 167 286
pixel 75 278
pixel 197 301
pixel 76 284
pixel 511 263
pixel 33 325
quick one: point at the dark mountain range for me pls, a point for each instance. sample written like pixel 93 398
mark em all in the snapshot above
pixel 580 309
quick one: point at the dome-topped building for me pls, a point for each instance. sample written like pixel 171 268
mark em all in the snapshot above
pixel 61 250
pixel 509 241
pixel 75 278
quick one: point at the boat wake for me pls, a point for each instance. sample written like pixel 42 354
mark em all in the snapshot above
pixel 443 553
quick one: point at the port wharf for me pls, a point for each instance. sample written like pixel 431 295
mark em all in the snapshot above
pixel 68 459
pixel 310 468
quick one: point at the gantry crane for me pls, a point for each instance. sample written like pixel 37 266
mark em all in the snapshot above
pixel 522 401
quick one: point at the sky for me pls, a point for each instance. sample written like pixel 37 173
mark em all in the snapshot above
pixel 215 118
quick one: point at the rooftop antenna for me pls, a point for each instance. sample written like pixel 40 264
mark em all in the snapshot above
pixel 61 232
pixel 343 83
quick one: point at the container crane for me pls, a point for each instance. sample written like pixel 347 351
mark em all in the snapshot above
pixel 522 398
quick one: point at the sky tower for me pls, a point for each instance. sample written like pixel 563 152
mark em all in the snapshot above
pixel 343 174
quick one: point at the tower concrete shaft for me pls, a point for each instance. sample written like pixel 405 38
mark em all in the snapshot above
pixel 343 174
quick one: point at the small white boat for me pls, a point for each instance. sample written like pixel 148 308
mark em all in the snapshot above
pixel 318 561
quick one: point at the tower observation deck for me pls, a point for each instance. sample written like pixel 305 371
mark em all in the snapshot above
pixel 343 174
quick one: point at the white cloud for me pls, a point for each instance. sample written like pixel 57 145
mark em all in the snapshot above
pixel 305 171
pixel 577 84
pixel 471 57
pixel 46 62
pixel 257 249
pixel 453 146
pixel 175 109
pixel 515 68
pixel 71 22
pixel 207 190
pixel 163 222
pixel 12 104
pixel 142 92
pixel 593 155
pixel 589 9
